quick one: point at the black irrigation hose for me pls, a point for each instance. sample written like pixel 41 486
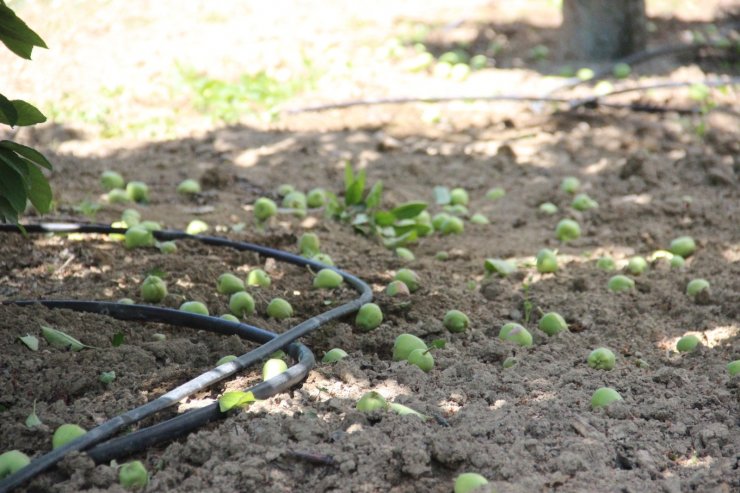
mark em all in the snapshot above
pixel 186 422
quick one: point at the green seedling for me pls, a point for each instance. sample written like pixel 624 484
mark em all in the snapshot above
pixel 194 307
pixel 284 189
pixel 264 209
pixel 637 265
pixel 551 323
pixel 479 219
pixel 570 184
pixel 582 202
pixel 409 278
pixel 235 399
pixel 279 309
pixel 452 226
pixel 733 367
pixel 196 227
pixel 226 359
pixel 456 321
pixel 620 284
pixel 397 288
pixel 334 355
pixel 138 236
pixel 404 344
pixel 188 187
pixel 111 180
pixel 405 254
pixel 499 266
pixel 684 246
pixel 131 217
pixel 567 230
pixel 316 198
pixel 272 368
pixel 548 208
pixel 468 482
pixel 133 475
pixel 604 396
pixel 138 191
pixel 677 262
pixel 107 377
pixel 369 317
pixel 229 317
pixel 308 244
pixel 512 332
pixel 510 362
pixel 495 193
pixel 32 420
pixel 118 196
pixel 547 261
pixel 126 301
pixel 422 358
pixel 65 434
pixel 439 219
pixel 601 359
pixel 153 289
pixel 696 286
pixel 621 70
pixel 167 247
pixel 459 196
pixel 258 277
pixel 606 263
pixel 241 304
pixel 323 259
pixel 12 461
pixel 59 339
pixel 371 401
pixel 687 343
pixel 229 284
pixel 327 279
pixel 31 342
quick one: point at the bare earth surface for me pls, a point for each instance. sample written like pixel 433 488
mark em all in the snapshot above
pixel 526 428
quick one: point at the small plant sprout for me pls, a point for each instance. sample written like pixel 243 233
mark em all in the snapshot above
pixel 194 307
pixel 499 266
pixel 153 289
pixel 133 475
pixel 510 362
pixel 369 317
pixel 12 461
pixel 696 286
pixel 323 259
pixel 229 317
pixel 456 321
pixel 188 187
pixel 459 196
pixel 131 217
pixel 334 355
pixel 138 191
pixel 229 284
pixel 273 367
pixel 409 278
pixel 404 344
pixel 138 236
pixel 308 244
pixel 495 193
pixel 683 246
pixel 241 304
pixel 371 401
pixel 512 332
pixel 606 263
pixel 196 227
pixel 551 323
pixel 620 284
pixel 111 180
pixel 397 288
pixel 422 358
pixel 327 279
pixel 570 184
pixel 167 247
pixel 279 309
pixel 316 198
pixel 118 196
pixel 226 359
pixel 687 343
pixel 567 230
pixel 548 208
pixel 452 226
pixel 65 434
pixel 468 482
pixel 107 377
pixel 601 359
pixel 733 367
pixel 547 261
pixel 405 254
pixel 479 219
pixel 582 202
pixel 264 209
pixel 604 396
pixel 259 278
pixel 621 70
pixel 637 265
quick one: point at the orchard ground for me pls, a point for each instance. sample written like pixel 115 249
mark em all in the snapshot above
pixel 125 88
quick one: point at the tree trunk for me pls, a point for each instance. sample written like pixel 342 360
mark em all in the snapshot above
pixel 602 30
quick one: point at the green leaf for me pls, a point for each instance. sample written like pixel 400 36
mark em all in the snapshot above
pixel 374 196
pixel 13 187
pixel 442 195
pixel 12 27
pixel 384 218
pixel 409 210
pixel 117 339
pixel 59 339
pixel 349 175
pixel 438 344
pixel 16 162
pixel 405 411
pixel 39 191
pixel 7 213
pixel 27 152
pixel 405 227
pixel 8 113
pixel 33 420
pixel 402 240
pixel 31 341
pixel 237 398
pixel 499 266
pixel 20 48
pixel 353 196
pixel 359 219
pixel 28 114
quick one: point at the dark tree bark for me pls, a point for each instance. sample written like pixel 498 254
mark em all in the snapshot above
pixel 603 30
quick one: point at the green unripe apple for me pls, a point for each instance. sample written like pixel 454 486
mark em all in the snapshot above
pixel 548 208
pixel 621 70
pixel 551 323
pixel 107 377
pixel 439 219
pixel 285 189
pixel 442 256
pixel 131 217
pixel 229 284
pixel 295 200
pixel 687 343
pixel 369 316
pixel 196 227
pixel 138 191
pixel 397 288
pixel 316 198
pixel 479 219
pixel 453 225
pixel 65 434
pixel 167 247
pixel 308 244
pixel 495 193
pixel 696 286
pixel 601 359
pixel 226 359
pixel 468 482
pixel 684 246
pixel 138 236
pixel 133 475
pixel 188 187
pixel 258 277
pixel 194 307
pixel 547 261
pixel 118 196
pixel 111 179
pixel 126 301
pixel 570 184
pixel 241 304
pixel 585 73
pixel 456 321
pixel 334 355
pixel 459 196
pixel 620 284
pixel 272 368
pixel 229 317
pixel 510 362
pixel 12 461
pixel 279 309
pixel 733 367
pixel 153 289
pixel 409 278
pixel 422 358
pixel 604 396
pixel 567 230
pixel 323 259
pixel 515 333
pixel 404 344
pixel 371 401
pixel 677 262
pixel 327 279
pixel 582 202
pixel 264 208
pixel 150 225
pixel 606 263
pixel 637 265
pixel 405 254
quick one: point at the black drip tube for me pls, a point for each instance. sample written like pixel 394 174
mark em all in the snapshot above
pixel 97 442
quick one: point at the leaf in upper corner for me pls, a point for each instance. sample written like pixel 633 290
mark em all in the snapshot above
pixel 32 342
pixel 231 400
pixel 27 152
pixel 27 113
pixel 8 113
